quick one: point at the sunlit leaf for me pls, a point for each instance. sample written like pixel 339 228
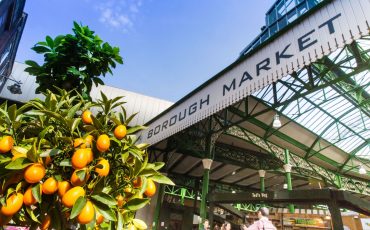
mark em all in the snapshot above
pixel 78 206
pixel 19 163
pixel 162 179
pixel 104 198
pixel 136 203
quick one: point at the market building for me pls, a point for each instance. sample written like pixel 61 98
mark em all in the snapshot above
pixel 286 126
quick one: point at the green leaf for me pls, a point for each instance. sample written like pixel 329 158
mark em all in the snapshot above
pixel 162 179
pixel 50 152
pixel 58 40
pixel 75 124
pixel 32 153
pixel 129 119
pixel 36 192
pixel 78 206
pixel 139 224
pixel 120 221
pixel 104 198
pixel 96 123
pixel 136 203
pixel 31 214
pixel 81 174
pixel 105 211
pixel 148 172
pixel 66 163
pixel 137 167
pixel 136 153
pixel 98 81
pixel 142 146
pixel 12 111
pixel 50 41
pixel 135 129
pixel 124 157
pixel 72 111
pixel 158 165
pixel 40 49
pixel 19 163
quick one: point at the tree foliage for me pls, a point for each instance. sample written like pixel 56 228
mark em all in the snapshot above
pixel 47 132
pixel 73 61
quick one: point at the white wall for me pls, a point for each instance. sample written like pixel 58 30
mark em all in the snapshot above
pixel 148 107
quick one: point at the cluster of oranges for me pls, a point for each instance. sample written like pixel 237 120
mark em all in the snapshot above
pixel 67 191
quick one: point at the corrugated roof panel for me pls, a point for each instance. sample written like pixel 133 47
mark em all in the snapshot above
pixel 148 107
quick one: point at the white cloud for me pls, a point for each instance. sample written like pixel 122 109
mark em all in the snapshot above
pixel 118 14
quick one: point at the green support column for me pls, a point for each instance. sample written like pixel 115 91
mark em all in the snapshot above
pixel 158 207
pixel 288 171
pixel 262 174
pixel 338 180
pixel 205 183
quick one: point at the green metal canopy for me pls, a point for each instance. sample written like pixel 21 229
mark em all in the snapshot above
pixel 323 105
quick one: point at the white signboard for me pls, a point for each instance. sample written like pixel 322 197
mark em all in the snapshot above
pixel 336 24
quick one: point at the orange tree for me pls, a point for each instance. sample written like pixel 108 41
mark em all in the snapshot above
pixel 61 165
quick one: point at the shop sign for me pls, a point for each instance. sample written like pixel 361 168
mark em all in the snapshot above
pixel 338 23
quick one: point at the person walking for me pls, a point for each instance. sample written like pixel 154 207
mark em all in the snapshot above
pixel 263 223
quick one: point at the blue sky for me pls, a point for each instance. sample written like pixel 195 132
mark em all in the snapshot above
pixel 169 46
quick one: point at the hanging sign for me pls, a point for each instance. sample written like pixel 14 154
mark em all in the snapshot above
pixel 331 27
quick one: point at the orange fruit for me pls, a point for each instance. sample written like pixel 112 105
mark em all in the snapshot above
pixel 90 155
pixel 120 200
pixel 137 183
pixel 76 181
pixel 120 132
pixel 46 222
pixel 150 188
pixel 87 213
pixel 63 187
pixel 81 157
pixel 103 143
pixel 50 186
pixel 13 204
pixel 71 196
pixel 104 171
pixel 6 144
pixel 86 117
pixel 78 142
pixel 34 173
pixel 99 218
pixel 28 198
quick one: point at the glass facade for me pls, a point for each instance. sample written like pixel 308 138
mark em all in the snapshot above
pixel 282 13
pixel 12 21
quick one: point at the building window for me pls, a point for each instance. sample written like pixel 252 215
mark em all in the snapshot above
pixel 3 19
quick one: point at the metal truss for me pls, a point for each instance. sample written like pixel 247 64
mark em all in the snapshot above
pixel 312 91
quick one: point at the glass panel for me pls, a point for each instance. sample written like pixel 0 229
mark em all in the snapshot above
pixel 282 23
pixel 311 3
pixel 290 4
pixel 264 36
pixel 3 20
pixel 272 16
pixel 280 8
pixel 292 16
pixel 302 9
pixel 273 29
